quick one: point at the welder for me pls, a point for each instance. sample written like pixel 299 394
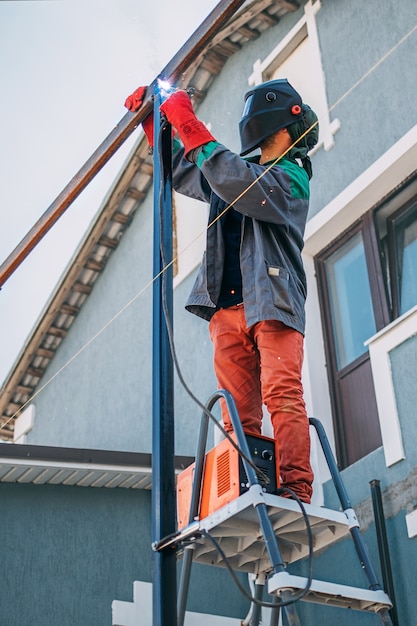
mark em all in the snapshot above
pixel 251 286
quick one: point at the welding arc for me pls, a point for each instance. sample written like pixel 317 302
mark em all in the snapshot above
pixel 172 72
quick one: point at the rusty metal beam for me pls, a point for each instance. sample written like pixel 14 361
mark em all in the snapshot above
pixel 172 72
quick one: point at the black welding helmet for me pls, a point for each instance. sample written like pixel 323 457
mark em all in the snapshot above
pixel 268 108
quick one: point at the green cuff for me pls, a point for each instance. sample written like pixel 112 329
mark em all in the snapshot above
pixel 206 151
pixel 176 145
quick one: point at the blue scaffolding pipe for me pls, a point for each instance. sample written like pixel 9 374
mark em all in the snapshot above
pixel 163 472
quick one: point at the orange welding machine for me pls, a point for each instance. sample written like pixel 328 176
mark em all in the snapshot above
pixel 224 477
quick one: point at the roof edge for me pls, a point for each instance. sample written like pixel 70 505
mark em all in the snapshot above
pixel 84 455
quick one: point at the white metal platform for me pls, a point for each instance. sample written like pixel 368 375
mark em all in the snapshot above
pixel 236 528
pixel 332 594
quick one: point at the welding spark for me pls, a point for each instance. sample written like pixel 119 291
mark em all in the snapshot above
pixel 263 202
pixel 165 88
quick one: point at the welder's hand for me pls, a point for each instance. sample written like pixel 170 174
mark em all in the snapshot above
pixel 179 112
pixel 133 103
pixel 135 100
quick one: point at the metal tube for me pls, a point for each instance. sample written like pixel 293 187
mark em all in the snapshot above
pixel 194 512
pixel 360 545
pixel 187 562
pixel 256 614
pixel 172 72
pixel 384 555
pixel 290 612
pixel 271 544
pixel 331 463
pixel 199 469
pixel 275 612
pixel 163 468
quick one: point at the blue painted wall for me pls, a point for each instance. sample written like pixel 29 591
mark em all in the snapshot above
pixel 68 552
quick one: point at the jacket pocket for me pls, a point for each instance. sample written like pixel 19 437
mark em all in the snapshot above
pixel 280 281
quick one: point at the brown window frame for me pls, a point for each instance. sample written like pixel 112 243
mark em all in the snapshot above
pixel 384 307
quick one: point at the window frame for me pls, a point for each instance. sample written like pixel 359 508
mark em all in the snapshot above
pixel 393 251
pixel 366 227
pixel 383 312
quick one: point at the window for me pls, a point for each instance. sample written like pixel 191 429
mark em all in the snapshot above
pixel 350 300
pixel 297 58
pixel 366 279
pixel 398 235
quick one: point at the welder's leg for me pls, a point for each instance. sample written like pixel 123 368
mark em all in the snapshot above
pixel 236 364
pixel 281 353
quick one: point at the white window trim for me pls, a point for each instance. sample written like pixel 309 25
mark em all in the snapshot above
pixel 24 424
pixel 262 70
pixel 380 347
pixel 411 522
pixel 315 382
pixel 384 175
pixel 376 182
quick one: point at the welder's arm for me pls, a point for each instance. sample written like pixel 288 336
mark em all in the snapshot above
pixel 178 110
pixel 187 178
pixel 133 103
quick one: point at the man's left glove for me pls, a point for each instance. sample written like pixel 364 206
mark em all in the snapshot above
pixel 133 103
pixel 179 112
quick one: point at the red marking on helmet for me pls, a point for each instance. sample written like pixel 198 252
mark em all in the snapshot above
pixel 296 109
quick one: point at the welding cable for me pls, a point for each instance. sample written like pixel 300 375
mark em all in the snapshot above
pixel 295 596
pixel 170 333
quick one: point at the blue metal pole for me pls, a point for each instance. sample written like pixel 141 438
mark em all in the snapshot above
pixel 163 471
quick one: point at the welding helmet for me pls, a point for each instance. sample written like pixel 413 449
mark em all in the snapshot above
pixel 268 108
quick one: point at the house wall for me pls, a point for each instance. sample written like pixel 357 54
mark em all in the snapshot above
pixel 354 37
pixel 68 552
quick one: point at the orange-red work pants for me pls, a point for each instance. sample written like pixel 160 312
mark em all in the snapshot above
pixel 262 365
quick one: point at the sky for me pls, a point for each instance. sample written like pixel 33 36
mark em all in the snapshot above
pixel 66 68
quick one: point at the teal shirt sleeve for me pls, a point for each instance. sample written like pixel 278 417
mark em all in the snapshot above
pixel 176 145
pixel 206 151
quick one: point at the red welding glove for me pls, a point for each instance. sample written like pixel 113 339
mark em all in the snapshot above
pixel 179 112
pixel 133 103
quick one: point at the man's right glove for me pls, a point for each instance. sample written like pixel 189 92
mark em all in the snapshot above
pixel 179 112
pixel 133 103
